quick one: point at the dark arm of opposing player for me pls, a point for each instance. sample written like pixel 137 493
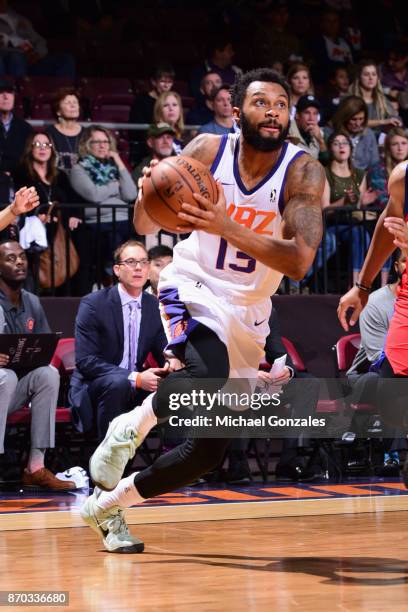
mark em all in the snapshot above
pixel 291 255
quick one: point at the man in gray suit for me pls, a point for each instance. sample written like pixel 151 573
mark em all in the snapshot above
pixel 21 312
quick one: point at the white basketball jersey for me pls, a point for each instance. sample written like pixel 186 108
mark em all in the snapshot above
pixel 220 266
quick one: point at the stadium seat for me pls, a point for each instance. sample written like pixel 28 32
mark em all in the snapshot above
pixel 64 356
pixel 41 110
pixel 111 113
pixel 64 360
pixel 345 350
pixel 32 86
pixel 93 87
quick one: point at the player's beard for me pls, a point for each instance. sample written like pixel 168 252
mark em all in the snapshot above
pixel 253 137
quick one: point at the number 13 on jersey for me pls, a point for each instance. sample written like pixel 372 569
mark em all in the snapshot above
pixel 248 266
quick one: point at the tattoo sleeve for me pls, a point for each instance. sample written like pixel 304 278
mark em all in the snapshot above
pixel 303 218
pixel 303 213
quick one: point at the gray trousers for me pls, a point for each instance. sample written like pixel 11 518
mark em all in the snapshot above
pixel 40 387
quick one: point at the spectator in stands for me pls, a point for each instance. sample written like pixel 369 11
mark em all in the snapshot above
pixel 329 49
pixel 13 135
pixel 220 55
pixel 300 83
pixel 203 111
pixel 223 122
pixel 23 51
pixel 38 167
pixel 160 141
pixel 374 323
pixel 346 186
pixel 302 398
pixel 115 331
pixel 338 89
pixel 102 179
pixel 142 109
pixel 22 312
pixel 65 134
pixel 273 39
pixel 395 152
pixel 310 136
pixel 159 256
pixel 169 109
pixel 394 73
pixel 367 85
pixel 351 117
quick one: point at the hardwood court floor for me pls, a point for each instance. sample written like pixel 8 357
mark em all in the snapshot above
pixel 345 562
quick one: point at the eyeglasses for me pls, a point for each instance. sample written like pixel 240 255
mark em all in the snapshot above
pixel 133 263
pixel 99 142
pixel 340 143
pixel 42 145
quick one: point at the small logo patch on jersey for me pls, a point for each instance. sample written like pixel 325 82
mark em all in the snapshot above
pixel 30 324
pixel 272 197
pixel 259 322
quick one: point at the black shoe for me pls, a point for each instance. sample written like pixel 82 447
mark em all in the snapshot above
pixel 297 472
pixel 238 474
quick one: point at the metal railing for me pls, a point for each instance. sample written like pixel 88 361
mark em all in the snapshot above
pixel 346 237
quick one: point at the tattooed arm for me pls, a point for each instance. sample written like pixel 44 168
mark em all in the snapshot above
pixel 301 227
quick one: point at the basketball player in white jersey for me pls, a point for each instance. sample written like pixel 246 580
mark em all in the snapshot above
pixel 215 295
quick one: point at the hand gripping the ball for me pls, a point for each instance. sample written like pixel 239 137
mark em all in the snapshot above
pixel 210 218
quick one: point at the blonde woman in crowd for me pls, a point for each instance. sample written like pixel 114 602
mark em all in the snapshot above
pixel 169 109
pixel 367 85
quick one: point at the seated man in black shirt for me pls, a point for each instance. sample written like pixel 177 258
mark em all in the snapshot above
pixel 21 312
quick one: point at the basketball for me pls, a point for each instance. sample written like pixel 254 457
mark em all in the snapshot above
pixel 172 182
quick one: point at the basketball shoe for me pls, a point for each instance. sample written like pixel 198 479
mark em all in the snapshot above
pixel 123 437
pixel 111 525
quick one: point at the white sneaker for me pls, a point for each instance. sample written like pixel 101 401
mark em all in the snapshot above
pixel 108 462
pixel 111 525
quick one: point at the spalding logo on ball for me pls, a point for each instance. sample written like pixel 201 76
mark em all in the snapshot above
pixel 172 182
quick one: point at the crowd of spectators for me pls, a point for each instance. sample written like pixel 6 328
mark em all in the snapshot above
pixel 348 110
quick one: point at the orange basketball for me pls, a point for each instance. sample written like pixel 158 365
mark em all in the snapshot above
pixel 172 182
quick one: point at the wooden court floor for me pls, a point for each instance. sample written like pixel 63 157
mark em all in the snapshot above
pixel 347 562
pixel 316 547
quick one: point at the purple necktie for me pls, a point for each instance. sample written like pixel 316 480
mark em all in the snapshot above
pixel 132 335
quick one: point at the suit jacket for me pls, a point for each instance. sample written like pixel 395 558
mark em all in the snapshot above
pixel 99 339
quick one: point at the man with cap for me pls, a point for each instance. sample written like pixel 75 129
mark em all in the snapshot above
pixel 160 139
pixel 13 135
pixel 306 128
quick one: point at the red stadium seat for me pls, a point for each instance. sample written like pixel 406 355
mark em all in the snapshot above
pixel 111 113
pixel 64 356
pixel 41 110
pixel 37 85
pixel 64 360
pixel 93 87
pixel 345 351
